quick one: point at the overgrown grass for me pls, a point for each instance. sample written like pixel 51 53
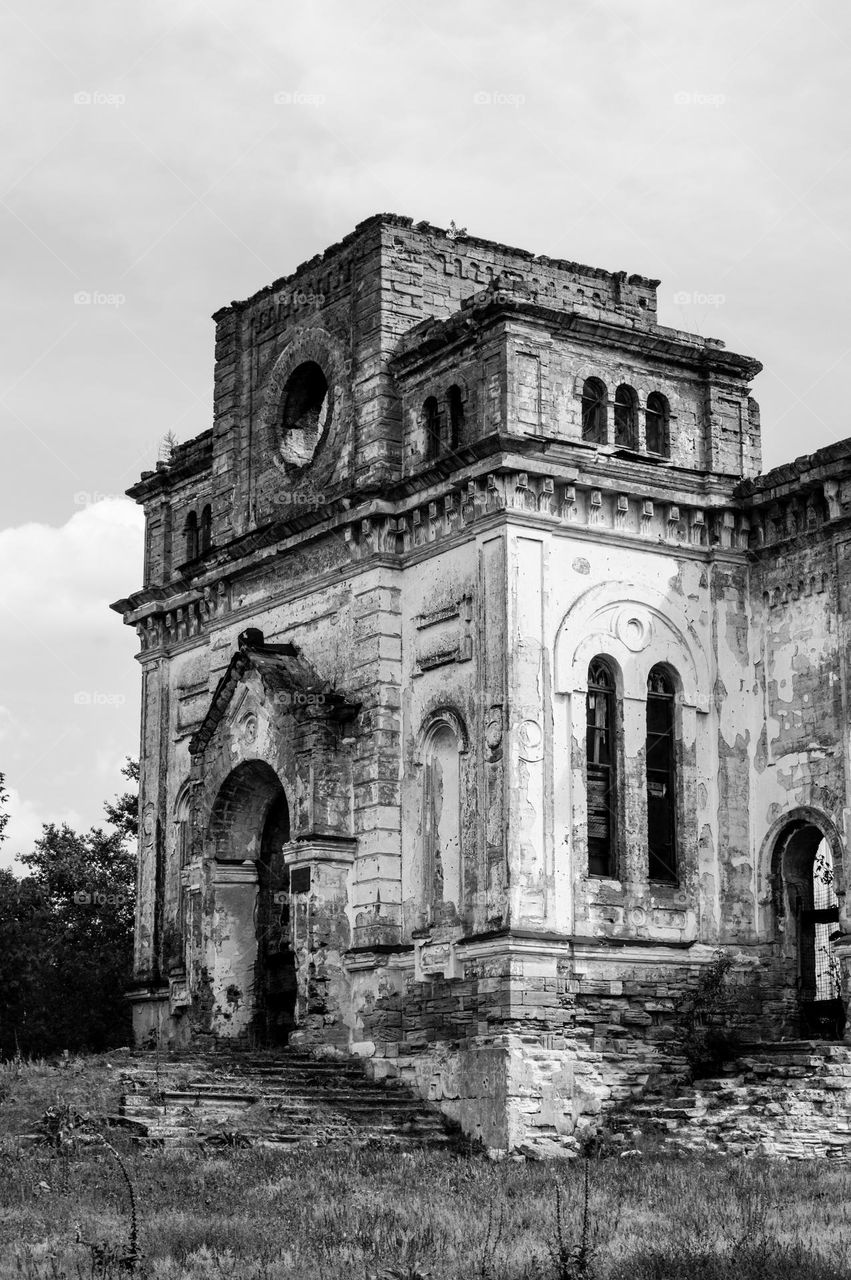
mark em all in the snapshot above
pixel 323 1214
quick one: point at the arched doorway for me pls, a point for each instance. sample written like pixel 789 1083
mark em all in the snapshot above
pixel 807 908
pixel 250 823
pixel 275 971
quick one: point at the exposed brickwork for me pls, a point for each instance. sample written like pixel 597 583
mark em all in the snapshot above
pixel 365 741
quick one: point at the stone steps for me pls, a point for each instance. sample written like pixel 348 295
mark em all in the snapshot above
pixel 280 1099
pixel 791 1101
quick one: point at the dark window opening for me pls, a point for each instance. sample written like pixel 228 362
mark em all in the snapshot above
pixel 456 416
pixel 205 539
pixel 626 418
pixel 431 423
pixel 594 411
pixel 601 748
pixel 656 418
pixel 305 412
pixel 190 534
pixel 661 778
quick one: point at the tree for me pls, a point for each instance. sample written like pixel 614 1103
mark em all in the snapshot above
pixel 4 817
pixel 66 937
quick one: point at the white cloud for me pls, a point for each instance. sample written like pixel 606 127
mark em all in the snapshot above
pixel 26 819
pixel 69 689
pixel 59 581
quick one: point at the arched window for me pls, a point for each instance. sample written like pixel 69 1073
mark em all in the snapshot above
pixel 626 417
pixel 601 748
pixel 661 778
pixel 431 425
pixel 656 418
pixel 456 416
pixel 205 539
pixel 181 826
pixel 442 825
pixel 594 411
pixel 190 534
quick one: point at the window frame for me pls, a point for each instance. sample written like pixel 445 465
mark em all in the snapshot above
pixel 595 397
pixel 626 417
pixel 607 863
pixel 432 428
pixel 666 775
pixel 661 417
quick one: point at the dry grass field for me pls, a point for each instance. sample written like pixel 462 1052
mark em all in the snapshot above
pixel 320 1214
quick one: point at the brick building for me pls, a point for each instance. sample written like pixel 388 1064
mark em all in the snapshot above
pixel 488 686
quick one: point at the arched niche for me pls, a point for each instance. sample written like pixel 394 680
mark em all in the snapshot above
pixel 441 750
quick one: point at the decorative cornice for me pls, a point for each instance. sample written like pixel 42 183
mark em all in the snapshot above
pixel 166 617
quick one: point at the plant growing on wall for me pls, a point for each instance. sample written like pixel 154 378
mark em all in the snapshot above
pixel 702 1019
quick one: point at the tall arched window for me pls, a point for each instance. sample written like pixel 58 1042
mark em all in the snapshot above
pixel 594 411
pixel 661 778
pixel 442 825
pixel 601 749
pixel 190 534
pixel 431 425
pixel 656 417
pixel 205 538
pixel 626 417
pixel 456 416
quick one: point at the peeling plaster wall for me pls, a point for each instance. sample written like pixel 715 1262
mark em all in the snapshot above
pixel 455 602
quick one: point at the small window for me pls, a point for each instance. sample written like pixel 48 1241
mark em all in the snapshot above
pixel 205 533
pixel 601 748
pixel 431 424
pixel 661 778
pixel 657 425
pixel 190 534
pixel 456 416
pixel 626 418
pixel 594 411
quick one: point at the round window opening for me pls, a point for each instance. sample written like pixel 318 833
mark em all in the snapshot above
pixel 306 413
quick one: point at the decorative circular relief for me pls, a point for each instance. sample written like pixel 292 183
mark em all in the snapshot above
pixel 634 628
pixel 530 737
pixel 248 729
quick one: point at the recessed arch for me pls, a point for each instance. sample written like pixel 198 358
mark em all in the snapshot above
pixel 240 810
pixel 638 627
pixel 802 856
pixel 443 744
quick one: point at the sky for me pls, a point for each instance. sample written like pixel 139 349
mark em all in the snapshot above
pixel 160 160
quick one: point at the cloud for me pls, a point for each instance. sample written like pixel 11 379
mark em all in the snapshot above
pixel 58 582
pixel 26 819
pixel 69 689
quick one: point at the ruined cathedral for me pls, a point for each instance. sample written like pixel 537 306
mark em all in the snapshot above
pixel 489 687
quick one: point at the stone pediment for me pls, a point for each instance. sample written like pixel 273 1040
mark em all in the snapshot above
pixel 286 676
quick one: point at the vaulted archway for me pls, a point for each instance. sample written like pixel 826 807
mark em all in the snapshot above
pixel 806 911
pixel 254 962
